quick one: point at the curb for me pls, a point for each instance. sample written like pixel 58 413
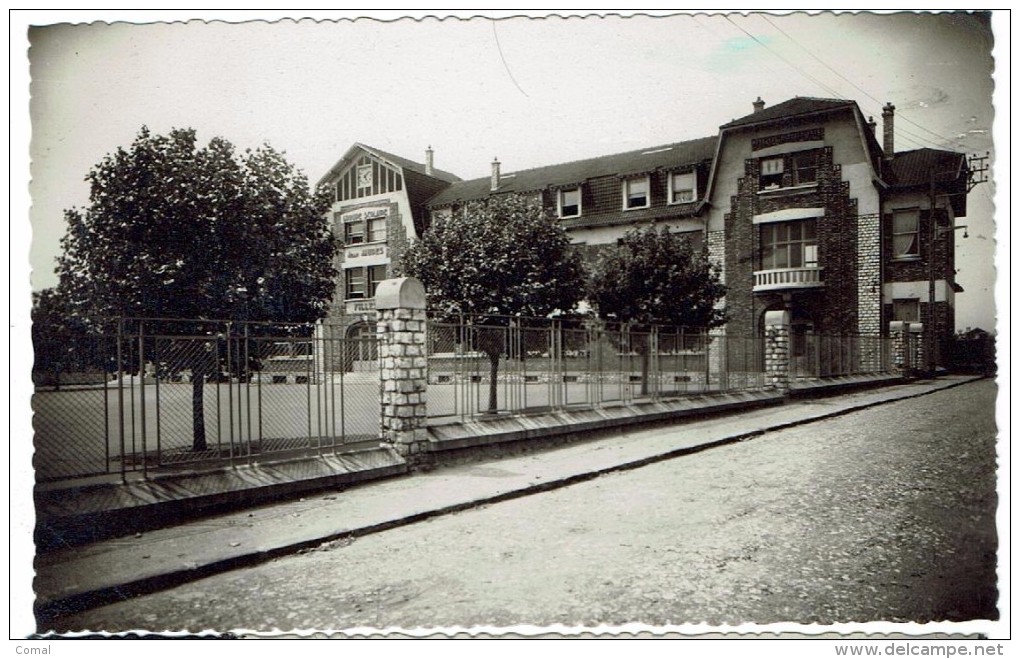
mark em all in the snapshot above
pixel 53 609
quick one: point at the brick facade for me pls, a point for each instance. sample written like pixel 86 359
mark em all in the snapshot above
pixel 833 307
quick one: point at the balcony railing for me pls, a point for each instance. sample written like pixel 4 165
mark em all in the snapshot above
pixel 786 278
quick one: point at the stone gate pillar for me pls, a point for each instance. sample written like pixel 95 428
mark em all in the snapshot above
pixel 400 330
pixel 907 347
pixel 777 349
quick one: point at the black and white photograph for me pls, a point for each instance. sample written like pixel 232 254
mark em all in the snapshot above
pixel 511 325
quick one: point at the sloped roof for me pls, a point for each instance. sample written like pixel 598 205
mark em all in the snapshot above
pixel 675 154
pixel 913 168
pixel 414 166
pixel 403 163
pixel 798 105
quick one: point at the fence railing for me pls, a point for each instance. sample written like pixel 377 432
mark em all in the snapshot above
pixel 512 365
pixel 829 355
pixel 140 395
pixel 148 395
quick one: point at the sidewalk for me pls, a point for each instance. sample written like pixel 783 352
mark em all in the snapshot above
pixel 112 570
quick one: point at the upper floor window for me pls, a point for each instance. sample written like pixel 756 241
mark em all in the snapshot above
pixel 372 230
pixel 635 193
pixel 788 171
pixel 905 233
pixel 354 232
pixel 771 176
pixel 570 202
pixel 360 283
pixel 805 168
pixel 789 245
pixel 683 187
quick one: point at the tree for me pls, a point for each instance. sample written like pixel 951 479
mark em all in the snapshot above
pixel 494 259
pixel 655 277
pixel 174 229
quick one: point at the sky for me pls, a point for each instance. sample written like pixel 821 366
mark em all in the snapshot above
pixel 530 91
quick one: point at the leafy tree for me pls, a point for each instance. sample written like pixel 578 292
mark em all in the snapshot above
pixel 655 277
pixel 493 259
pixel 174 229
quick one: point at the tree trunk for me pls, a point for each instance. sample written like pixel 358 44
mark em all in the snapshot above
pixel 198 411
pixel 493 369
pixel 644 371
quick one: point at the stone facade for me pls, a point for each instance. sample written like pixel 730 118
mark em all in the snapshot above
pixel 777 350
pixel 400 326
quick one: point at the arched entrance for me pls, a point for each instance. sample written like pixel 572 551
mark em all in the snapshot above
pixel 361 353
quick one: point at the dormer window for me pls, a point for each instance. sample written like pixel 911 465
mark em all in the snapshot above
pixel 570 202
pixel 635 193
pixel 682 187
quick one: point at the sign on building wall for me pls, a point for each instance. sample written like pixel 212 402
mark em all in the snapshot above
pixel 363 214
pixel 352 307
pixel 359 255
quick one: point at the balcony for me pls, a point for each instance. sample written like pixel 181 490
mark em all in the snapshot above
pixel 787 278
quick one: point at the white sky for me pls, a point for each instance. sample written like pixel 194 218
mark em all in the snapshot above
pixel 529 91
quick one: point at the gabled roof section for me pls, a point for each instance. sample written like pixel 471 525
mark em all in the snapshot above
pixel 795 107
pixel 666 156
pixel 394 160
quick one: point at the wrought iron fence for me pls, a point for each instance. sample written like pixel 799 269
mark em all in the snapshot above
pixel 488 365
pixel 143 394
pixel 814 355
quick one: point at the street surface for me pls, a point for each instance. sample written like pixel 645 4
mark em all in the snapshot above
pixel 883 514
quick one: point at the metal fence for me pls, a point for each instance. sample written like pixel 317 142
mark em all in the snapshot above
pixel 480 366
pixel 152 394
pixel 814 355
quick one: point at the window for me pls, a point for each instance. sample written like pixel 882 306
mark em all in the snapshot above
pixel 376 229
pixel 802 168
pixel 354 283
pixel 683 188
pixel 354 232
pixel 905 232
pixel 789 245
pixel 360 283
pixel 570 202
pixel 771 177
pixel 376 273
pixel 907 310
pixel 805 168
pixel 635 193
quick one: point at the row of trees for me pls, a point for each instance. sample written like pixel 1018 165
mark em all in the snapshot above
pixel 178 230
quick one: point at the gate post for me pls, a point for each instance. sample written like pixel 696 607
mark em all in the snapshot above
pixel 400 307
pixel 777 350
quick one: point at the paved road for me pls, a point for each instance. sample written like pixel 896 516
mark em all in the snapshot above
pixel 883 514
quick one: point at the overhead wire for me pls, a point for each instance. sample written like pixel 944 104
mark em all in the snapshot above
pixel 855 86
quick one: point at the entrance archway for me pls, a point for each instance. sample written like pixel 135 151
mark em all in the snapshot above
pixel 362 354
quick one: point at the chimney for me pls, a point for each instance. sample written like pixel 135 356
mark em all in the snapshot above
pixel 495 174
pixel 873 125
pixel 887 129
pixel 759 105
pixel 428 161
